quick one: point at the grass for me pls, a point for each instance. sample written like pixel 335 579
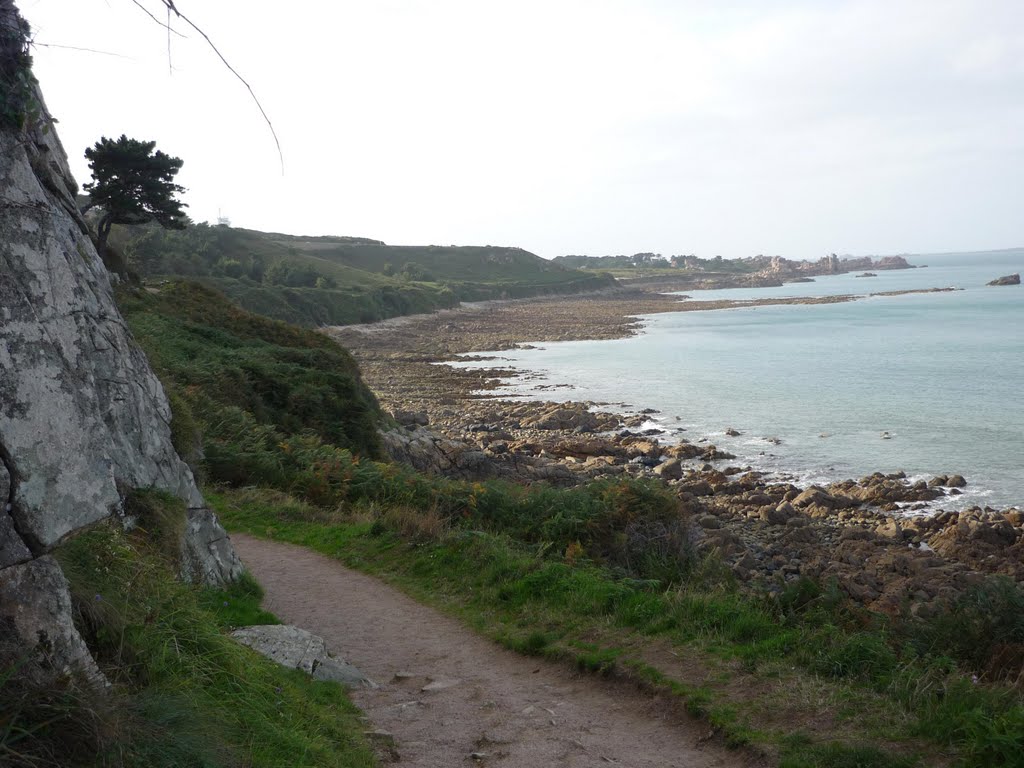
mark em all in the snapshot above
pixel 184 694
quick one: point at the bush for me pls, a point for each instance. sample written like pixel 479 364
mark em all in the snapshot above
pixel 984 627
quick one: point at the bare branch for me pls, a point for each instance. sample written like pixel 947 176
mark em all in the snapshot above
pixel 170 68
pixel 172 8
pixel 146 11
pixel 76 48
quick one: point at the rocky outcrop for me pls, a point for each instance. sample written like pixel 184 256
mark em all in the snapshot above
pixel 82 411
pixel 891 262
pixel 792 271
pixel 83 418
pixel 1013 279
pixel 563 418
pixel 431 452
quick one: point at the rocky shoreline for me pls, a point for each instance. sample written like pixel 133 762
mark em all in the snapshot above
pixel 768 532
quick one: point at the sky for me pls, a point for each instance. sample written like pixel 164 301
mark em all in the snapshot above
pixel 733 128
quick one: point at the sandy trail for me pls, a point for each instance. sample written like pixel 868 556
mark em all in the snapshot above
pixel 482 699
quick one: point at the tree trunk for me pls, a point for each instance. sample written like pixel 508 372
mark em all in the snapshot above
pixel 101 235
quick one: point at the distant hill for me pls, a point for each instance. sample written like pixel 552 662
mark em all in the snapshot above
pixel 329 280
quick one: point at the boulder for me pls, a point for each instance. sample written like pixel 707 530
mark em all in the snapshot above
pixel 684 451
pixel 207 556
pixel 779 515
pixel 815 495
pixel 1013 279
pixel 586 447
pixel 669 470
pixel 711 453
pixel 563 418
pixel 891 529
pixel 296 648
pixel 698 488
pixel 411 418
pixel 35 613
pixel 13 549
pixel 638 446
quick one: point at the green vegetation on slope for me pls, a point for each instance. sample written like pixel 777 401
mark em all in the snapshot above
pixel 184 694
pixel 225 366
pixel 315 281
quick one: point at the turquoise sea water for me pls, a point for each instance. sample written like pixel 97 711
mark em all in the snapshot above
pixel 942 374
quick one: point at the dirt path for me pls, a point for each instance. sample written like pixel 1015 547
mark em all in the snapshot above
pixel 446 693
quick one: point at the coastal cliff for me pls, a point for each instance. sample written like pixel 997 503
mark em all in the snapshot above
pixel 83 418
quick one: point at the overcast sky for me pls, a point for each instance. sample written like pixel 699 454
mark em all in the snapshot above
pixel 564 126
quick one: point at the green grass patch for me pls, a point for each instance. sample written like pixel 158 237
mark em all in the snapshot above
pixel 184 694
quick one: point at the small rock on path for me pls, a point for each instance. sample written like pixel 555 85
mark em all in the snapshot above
pixel 451 694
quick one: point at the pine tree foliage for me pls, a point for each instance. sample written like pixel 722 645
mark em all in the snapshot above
pixel 133 183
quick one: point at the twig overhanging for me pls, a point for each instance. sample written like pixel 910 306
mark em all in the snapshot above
pixel 172 8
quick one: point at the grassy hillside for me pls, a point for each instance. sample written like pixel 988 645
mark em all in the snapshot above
pixel 225 366
pixel 315 281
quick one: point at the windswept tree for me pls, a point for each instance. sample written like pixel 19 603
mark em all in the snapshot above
pixel 133 183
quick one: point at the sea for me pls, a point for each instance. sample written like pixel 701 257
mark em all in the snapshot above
pixel 927 384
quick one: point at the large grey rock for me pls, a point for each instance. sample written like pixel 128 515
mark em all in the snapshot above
pixel 82 415
pixel 815 495
pixel 83 418
pixel 670 470
pixel 207 556
pixel 411 418
pixel 35 613
pixel 563 418
pixel 12 547
pixel 1013 279
pixel 296 648
pixel 82 411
